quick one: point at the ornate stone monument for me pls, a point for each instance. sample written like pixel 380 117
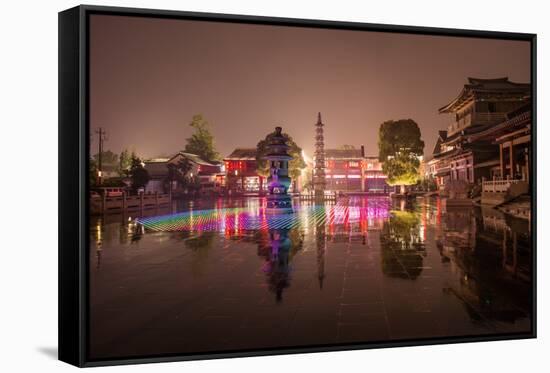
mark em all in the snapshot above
pixel 278 200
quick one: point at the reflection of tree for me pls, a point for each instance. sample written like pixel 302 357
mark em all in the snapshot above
pixel 203 241
pixel 200 245
pixel 401 246
pixel 278 247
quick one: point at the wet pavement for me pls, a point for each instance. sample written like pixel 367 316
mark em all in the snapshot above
pixel 223 275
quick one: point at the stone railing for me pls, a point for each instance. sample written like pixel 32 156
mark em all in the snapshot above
pixel 499 185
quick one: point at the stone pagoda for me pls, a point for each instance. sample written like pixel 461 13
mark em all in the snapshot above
pixel 319 181
pixel 278 181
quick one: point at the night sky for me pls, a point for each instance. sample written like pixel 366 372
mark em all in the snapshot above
pixel 150 76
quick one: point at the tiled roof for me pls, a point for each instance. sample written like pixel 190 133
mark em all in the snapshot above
pixel 156 169
pixel 242 154
pixel 343 153
pixel 477 85
pixel 193 158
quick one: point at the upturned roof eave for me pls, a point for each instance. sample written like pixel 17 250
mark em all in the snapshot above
pixel 451 107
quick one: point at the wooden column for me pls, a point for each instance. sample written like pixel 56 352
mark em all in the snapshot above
pixel 527 165
pixel 511 160
pixel 501 161
pixel 362 176
pixel 261 178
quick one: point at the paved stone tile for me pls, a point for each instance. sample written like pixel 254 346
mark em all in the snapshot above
pixel 177 292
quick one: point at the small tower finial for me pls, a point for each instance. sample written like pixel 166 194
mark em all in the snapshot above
pixel 319 118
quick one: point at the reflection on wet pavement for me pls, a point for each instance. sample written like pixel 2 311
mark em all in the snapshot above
pixel 226 276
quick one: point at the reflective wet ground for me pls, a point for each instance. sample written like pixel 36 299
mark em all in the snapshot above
pixel 223 275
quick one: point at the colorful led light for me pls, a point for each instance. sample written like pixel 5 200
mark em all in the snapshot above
pixel 254 218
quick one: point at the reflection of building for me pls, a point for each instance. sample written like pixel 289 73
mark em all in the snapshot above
pixel 350 171
pixel 210 175
pixel 492 254
pixel 241 170
pixel 462 153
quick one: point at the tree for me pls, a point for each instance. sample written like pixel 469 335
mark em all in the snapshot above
pixel 201 142
pixel 124 162
pixel 399 149
pixel 295 165
pixel 107 158
pixel 93 173
pixel 179 172
pixel 138 174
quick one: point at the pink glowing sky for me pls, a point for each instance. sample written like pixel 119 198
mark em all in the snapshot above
pixel 148 77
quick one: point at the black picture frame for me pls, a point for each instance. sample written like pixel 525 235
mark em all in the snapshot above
pixel 74 138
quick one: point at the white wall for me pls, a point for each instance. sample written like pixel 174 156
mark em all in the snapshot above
pixel 28 263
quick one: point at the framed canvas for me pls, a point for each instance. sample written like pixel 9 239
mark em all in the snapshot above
pixel 236 186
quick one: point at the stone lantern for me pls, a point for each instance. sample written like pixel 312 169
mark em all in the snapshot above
pixel 278 181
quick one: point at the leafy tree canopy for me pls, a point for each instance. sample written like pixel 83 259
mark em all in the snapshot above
pixel 295 165
pixel 139 175
pixel 125 162
pixel 107 158
pixel 93 173
pixel 201 141
pixel 400 146
pixel 180 171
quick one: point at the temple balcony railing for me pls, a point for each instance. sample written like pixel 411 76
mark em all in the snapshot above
pixel 499 185
pixel 475 119
pixel 488 118
pixel 459 124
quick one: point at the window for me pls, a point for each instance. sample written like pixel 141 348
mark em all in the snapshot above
pixel 492 107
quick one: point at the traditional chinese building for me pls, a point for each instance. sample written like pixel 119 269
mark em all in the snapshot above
pixel 349 170
pixel 374 178
pixel 210 175
pixel 482 105
pixel 513 137
pixel 241 169
pixel 438 167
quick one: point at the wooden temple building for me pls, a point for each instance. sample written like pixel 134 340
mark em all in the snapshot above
pixel 349 170
pixel 488 139
pixel 241 172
